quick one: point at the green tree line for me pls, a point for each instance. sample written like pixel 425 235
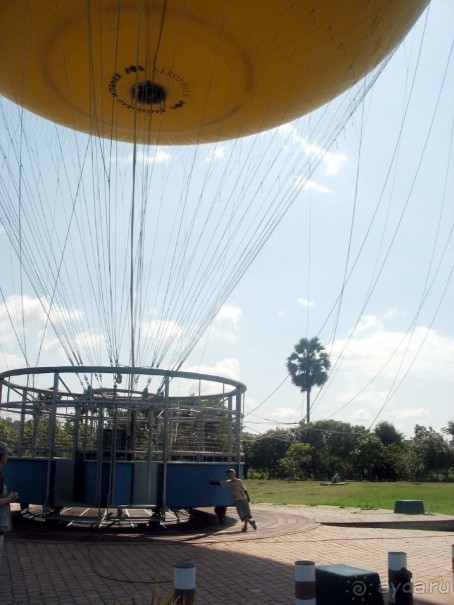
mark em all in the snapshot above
pixel 316 450
pixel 319 450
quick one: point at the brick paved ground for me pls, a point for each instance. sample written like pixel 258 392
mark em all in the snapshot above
pixel 232 568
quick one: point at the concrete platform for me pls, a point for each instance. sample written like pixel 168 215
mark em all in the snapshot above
pixel 92 567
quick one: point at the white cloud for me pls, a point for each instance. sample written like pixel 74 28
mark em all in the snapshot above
pixel 26 331
pixel 332 161
pixel 390 373
pixel 406 419
pixel 28 313
pixel 304 302
pixel 157 327
pixel 152 156
pixel 229 313
pixel 228 367
pixel 53 347
pixel 283 414
pixel 410 414
pixel 311 184
pixel 225 368
pixel 421 347
pixel 394 353
pixel 367 323
pixel 360 416
pixel 226 322
pixel 369 398
pixel 18 308
pixel 62 315
pixel 391 313
pixel 216 154
pixel 9 361
pixel 89 341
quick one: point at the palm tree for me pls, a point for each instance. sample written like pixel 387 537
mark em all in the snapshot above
pixel 308 366
pixel 449 430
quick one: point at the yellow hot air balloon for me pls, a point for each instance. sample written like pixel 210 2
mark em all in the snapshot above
pixel 132 250
pixel 176 72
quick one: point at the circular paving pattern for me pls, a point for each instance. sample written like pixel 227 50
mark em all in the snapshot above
pixel 200 525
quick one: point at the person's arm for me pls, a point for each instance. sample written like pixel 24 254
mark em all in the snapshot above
pixel 11 497
pixel 243 487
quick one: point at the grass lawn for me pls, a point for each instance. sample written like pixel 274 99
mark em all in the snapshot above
pixel 437 497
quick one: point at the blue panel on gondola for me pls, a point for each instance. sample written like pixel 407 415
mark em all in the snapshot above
pixel 187 485
pixel 122 484
pixel 28 477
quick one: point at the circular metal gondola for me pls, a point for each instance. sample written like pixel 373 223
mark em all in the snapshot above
pixel 116 442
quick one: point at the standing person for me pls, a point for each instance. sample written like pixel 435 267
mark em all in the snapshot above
pixel 5 498
pixel 240 497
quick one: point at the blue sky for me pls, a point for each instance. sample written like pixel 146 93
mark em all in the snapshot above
pixel 392 351
pixel 362 257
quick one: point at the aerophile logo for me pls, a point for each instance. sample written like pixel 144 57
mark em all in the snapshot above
pixel 123 84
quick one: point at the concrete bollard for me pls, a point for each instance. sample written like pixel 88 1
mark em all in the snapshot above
pixel 184 583
pixel 452 560
pixel 304 583
pixel 400 589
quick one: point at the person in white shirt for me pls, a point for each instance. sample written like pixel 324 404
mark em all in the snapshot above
pixel 240 497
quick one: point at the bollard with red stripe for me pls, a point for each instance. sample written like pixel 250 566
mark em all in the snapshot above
pixel 184 583
pixel 304 583
pixel 400 588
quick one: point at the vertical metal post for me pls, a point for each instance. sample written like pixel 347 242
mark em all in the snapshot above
pixel 77 419
pixel 100 435
pixel 229 433
pixel 22 421
pixel 131 444
pixel 149 454
pixel 35 431
pixel 51 440
pixel 165 444
pixel 238 431
pixel 113 457
pixel 200 423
